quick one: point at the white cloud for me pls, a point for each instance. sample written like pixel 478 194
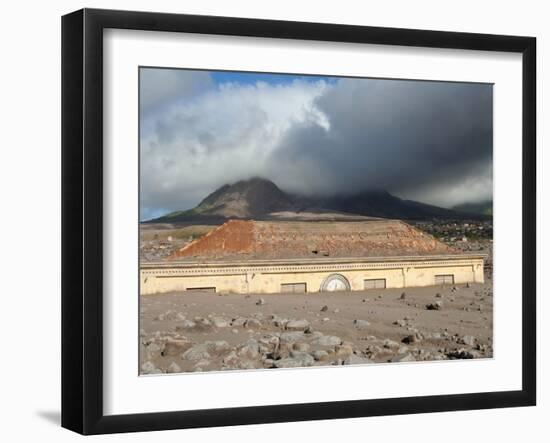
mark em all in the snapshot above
pixel 161 86
pixel 224 135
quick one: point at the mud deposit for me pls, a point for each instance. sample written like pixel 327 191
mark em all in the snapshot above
pixel 184 332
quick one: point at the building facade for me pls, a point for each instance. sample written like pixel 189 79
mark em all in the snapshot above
pixel 263 257
pixel 311 275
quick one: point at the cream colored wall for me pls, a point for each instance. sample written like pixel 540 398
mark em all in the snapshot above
pixel 271 282
pixel 250 279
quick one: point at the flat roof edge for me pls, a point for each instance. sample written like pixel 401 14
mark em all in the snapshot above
pixel 308 261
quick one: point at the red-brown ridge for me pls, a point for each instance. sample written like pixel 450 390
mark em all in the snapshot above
pixel 264 240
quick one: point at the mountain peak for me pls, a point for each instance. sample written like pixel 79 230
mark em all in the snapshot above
pixel 245 198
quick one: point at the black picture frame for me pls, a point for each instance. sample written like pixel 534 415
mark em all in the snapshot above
pixel 82 218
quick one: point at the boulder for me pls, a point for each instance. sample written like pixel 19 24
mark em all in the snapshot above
pixel 320 355
pixel 459 354
pixel 173 368
pixel 252 323
pixel 250 349
pixel 149 368
pixel 220 322
pixel 206 350
pixel 295 360
pixel 361 324
pixel 413 338
pixel 297 325
pixel 326 341
pixel 176 347
pixel 170 316
pixel 390 344
pixel 354 359
pixel 403 358
pixel 437 306
pixel 468 340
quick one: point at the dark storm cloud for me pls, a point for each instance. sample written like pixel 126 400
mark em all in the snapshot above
pixel 403 136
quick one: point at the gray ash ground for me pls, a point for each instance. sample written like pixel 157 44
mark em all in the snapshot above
pixel 183 332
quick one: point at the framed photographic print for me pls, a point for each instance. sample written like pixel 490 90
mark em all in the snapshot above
pixel 268 221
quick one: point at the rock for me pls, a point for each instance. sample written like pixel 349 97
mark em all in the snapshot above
pixel 268 343
pixel 361 324
pixel 401 323
pixel 203 324
pixel 198 324
pixel 296 360
pixel 185 324
pixel 292 336
pixel 400 358
pixel 460 354
pixel 220 322
pixel 467 285
pixel 468 340
pixel 153 350
pixel 336 311
pixel 327 340
pixel 297 325
pixel 197 352
pixel 437 306
pixel 251 349
pixel 174 368
pixel 206 350
pixel 239 321
pixel 324 308
pixel 344 350
pixel 170 316
pixel 320 355
pixel 301 347
pixel 149 368
pixel 260 302
pixel 176 347
pixel 357 360
pixel 481 347
pixel 438 295
pixel 403 296
pixel 279 322
pixel 390 344
pixel 414 338
pixel 252 323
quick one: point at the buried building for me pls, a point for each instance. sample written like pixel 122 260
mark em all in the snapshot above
pixel 289 256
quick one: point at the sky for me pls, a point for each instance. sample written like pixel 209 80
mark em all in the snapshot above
pixel 311 135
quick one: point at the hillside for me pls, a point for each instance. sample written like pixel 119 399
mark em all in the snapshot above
pixel 484 208
pixel 262 199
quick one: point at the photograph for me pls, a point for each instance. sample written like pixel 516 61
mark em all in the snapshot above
pixel 290 220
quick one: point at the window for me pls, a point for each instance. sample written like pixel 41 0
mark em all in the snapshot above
pixel 375 283
pixel 210 289
pixel 293 287
pixel 446 279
